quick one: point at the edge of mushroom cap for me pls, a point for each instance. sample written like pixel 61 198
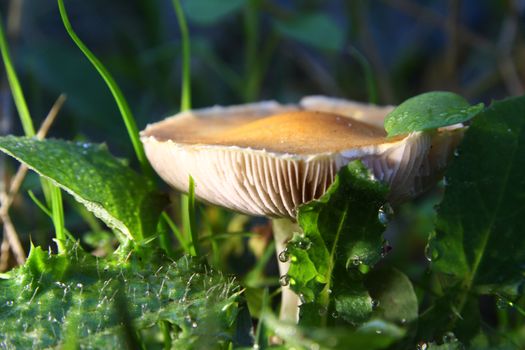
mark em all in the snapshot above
pixel 375 157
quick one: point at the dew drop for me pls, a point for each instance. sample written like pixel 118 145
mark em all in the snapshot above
pixel 304 243
pixel 302 298
pixel 403 321
pixel 431 252
pixel 356 262
pixel 9 303
pixel 364 268
pixel 449 337
pixel 385 214
pixel 284 280
pixel 456 153
pixel 194 325
pixel 385 249
pixel 375 303
pixel 422 346
pixel 284 256
pixel 503 304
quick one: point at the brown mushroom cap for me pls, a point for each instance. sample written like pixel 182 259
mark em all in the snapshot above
pixel 267 159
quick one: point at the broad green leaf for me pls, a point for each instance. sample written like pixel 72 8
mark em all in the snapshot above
pixel 77 299
pixel 317 30
pixel 341 236
pixel 479 235
pixel 123 199
pixel 207 12
pixel 394 295
pixel 478 246
pixel 371 335
pixel 430 110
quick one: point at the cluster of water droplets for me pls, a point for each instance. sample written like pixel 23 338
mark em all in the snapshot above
pixel 286 255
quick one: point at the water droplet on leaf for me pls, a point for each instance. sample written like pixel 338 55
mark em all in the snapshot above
pixel 431 252
pixel 284 280
pixel 385 214
pixel 284 256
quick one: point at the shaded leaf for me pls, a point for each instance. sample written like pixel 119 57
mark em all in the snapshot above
pixel 372 335
pixel 479 226
pixel 394 295
pixel 208 12
pixel 317 30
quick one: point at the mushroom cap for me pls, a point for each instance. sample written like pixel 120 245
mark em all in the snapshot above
pixel 267 159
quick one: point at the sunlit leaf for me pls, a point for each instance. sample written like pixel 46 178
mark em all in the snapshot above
pixel 430 110
pixel 123 199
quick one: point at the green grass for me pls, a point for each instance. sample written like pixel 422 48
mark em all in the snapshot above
pixel 122 104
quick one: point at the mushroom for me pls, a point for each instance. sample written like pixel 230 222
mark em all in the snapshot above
pixel 266 159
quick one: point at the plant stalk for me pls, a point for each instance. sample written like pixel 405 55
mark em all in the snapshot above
pixel 283 230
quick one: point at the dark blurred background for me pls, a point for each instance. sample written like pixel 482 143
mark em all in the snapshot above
pixel 248 50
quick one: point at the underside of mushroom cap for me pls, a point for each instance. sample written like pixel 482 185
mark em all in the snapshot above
pixel 267 159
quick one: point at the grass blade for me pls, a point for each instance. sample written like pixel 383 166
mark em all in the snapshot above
pixel 185 102
pixel 122 104
pixel 190 214
pixel 53 195
pixel 14 84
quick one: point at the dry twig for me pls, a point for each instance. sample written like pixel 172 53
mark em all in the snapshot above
pixel 7 197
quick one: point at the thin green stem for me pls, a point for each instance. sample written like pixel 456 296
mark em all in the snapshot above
pixel 46 211
pixel 16 89
pixel 194 247
pixel 182 241
pixel 165 328
pixel 371 85
pixel 251 44
pixel 122 104
pixel 53 194
pixel 185 103
pixel 324 297
pixel 57 211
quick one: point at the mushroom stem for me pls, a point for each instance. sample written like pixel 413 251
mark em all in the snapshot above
pixel 283 230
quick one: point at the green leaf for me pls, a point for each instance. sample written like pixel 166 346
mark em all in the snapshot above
pixel 430 110
pixel 317 30
pixel 125 111
pixel 77 299
pixel 372 335
pixel 123 199
pixel 479 225
pixel 207 12
pixel 478 244
pixel 341 236
pixel 394 296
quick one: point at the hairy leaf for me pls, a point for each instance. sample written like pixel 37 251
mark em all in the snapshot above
pixel 123 199
pixel 430 110
pixel 96 303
